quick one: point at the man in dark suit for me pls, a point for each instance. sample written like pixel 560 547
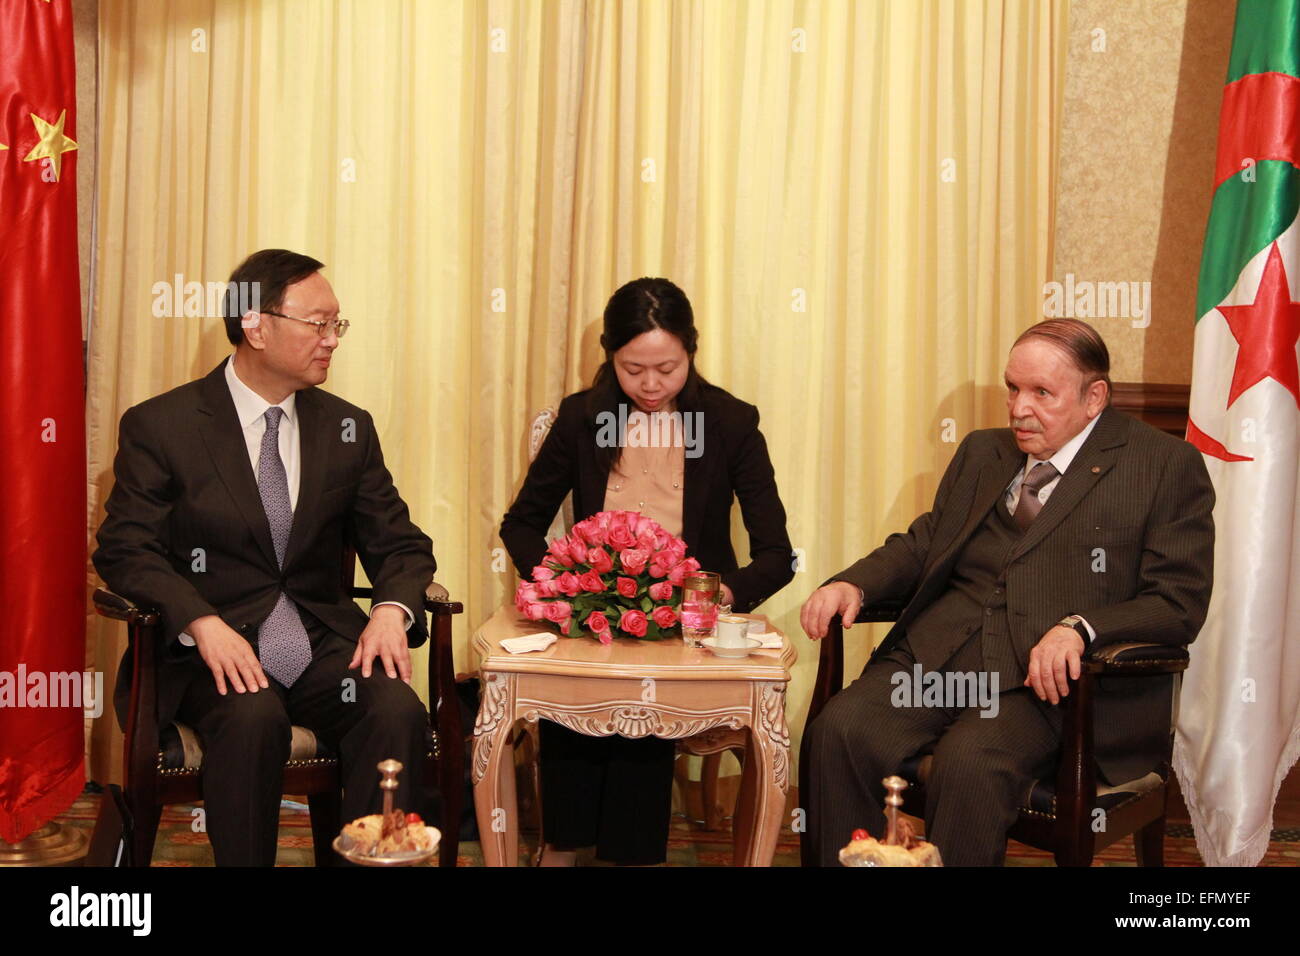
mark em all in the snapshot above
pixel 1076 526
pixel 235 500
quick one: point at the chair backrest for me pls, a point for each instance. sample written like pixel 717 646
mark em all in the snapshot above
pixel 537 432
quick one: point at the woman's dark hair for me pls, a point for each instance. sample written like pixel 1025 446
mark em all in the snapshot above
pixel 641 306
pixel 261 280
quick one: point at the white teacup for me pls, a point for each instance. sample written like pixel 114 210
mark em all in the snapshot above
pixel 733 630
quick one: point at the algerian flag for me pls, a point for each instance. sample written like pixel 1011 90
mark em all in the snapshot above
pixel 1239 720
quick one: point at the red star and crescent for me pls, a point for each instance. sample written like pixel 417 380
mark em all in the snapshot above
pixel 1266 332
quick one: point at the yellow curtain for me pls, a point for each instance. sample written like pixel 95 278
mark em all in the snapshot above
pixel 855 195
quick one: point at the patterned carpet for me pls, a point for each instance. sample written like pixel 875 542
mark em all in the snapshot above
pixel 689 844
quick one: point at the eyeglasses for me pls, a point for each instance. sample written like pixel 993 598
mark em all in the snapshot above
pixel 323 328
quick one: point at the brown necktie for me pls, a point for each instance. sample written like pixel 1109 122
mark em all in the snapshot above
pixel 1028 507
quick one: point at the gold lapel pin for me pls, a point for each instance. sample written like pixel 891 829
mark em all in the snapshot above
pixel 1096 469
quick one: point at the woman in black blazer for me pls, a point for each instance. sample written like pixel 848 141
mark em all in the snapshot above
pixel 614 792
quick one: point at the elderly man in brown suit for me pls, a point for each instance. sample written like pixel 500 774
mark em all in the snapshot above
pixel 1076 526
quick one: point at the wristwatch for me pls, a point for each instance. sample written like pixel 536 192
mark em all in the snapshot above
pixel 1076 622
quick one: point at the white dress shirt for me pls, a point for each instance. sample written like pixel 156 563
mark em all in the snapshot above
pixel 1061 460
pixel 250 409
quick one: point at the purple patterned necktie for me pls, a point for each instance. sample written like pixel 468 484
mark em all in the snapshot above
pixel 1030 504
pixel 283 645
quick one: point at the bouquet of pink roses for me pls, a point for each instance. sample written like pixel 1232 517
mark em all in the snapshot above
pixel 617 573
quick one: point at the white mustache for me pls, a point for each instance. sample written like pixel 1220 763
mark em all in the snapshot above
pixel 1026 424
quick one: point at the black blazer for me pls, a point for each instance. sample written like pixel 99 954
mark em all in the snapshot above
pixel 183 481
pixel 733 464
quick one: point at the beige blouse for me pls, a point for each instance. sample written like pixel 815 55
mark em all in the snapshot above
pixel 649 480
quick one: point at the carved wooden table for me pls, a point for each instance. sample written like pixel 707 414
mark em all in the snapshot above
pixel 633 688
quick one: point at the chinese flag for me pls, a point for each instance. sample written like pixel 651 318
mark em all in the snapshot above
pixel 42 420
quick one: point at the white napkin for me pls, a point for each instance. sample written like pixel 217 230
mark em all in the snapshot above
pixel 758 631
pixel 529 642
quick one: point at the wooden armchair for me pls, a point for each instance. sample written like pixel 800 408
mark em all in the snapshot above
pixel 1057 813
pixel 162 763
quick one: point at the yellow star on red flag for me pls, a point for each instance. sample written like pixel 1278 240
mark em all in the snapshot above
pixel 53 143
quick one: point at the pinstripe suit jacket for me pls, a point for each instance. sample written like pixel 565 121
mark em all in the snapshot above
pixel 1126 540
pixel 183 482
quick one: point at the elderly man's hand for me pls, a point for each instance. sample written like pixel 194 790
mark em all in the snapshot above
pixel 1059 652
pixel 837 598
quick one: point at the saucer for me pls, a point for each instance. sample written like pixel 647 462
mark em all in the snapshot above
pixel 751 643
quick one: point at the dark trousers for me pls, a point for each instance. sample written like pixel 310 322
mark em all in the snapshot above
pixel 246 743
pixel 613 793
pixel 982 768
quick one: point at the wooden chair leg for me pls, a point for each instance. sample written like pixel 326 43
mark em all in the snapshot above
pixel 531 732
pixel 144 833
pixel 709 790
pixel 682 777
pixel 451 782
pixel 1149 843
pixel 110 841
pixel 535 739
pixel 445 712
pixel 326 811
pixel 1070 853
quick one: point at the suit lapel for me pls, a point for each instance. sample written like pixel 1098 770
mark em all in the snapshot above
pixel 224 438
pixel 994 476
pixel 993 481
pixel 1094 459
pixel 311 476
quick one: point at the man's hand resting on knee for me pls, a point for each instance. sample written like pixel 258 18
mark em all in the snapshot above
pixel 385 638
pixel 1059 651
pixel 837 599
pixel 227 654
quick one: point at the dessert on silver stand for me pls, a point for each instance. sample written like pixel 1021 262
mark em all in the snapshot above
pixel 901 847
pixel 391 838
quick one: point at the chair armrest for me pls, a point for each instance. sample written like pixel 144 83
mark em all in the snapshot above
pixel 886 612
pixel 438 601
pixel 1136 660
pixel 143 628
pixel 119 608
